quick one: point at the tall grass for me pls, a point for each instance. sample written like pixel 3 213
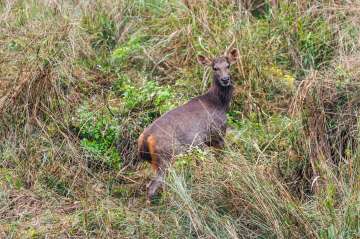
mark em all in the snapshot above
pixel 79 81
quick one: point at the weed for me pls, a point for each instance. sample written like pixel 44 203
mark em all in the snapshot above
pixel 99 131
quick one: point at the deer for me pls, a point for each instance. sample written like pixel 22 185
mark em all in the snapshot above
pixel 202 121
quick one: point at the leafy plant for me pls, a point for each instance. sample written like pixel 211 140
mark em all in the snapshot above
pixel 99 132
pixel 132 46
pixel 160 98
pixel 103 30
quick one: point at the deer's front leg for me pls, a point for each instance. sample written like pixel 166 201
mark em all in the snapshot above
pixel 217 140
pixel 217 143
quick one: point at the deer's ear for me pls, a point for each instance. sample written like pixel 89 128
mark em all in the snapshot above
pixel 233 55
pixel 203 60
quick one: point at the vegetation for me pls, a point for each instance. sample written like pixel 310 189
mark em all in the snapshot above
pixel 79 80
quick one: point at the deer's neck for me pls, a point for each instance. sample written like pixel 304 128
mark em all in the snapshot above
pixel 221 95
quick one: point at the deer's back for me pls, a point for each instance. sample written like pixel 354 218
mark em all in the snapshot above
pixel 194 123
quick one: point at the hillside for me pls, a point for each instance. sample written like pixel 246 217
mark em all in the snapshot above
pixel 80 80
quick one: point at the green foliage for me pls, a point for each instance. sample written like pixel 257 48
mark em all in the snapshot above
pixel 66 64
pixel 59 186
pixel 99 131
pixel 102 29
pixel 314 38
pixel 276 133
pixel 302 39
pixel 124 51
pixel 299 42
pixel 159 98
pixel 10 179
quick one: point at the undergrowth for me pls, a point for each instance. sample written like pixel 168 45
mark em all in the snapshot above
pixel 79 81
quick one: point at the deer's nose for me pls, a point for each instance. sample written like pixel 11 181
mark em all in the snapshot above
pixel 225 79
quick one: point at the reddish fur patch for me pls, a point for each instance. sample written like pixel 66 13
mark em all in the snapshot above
pixel 140 142
pixel 151 143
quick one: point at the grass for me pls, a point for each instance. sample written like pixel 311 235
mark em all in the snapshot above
pixel 80 80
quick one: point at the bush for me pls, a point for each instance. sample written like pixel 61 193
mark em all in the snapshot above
pixel 99 131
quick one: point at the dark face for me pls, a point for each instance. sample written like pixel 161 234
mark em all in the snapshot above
pixel 220 66
pixel 221 71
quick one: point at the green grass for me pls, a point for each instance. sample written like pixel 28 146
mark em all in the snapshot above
pixel 79 81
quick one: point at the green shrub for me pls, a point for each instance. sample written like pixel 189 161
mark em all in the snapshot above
pixel 276 133
pixel 307 39
pixel 125 50
pixel 103 30
pixel 98 131
pixel 158 99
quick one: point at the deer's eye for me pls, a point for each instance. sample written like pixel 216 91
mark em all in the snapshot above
pixel 215 68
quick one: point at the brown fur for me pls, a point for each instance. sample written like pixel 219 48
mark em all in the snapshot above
pixel 199 122
pixel 143 150
pixel 151 144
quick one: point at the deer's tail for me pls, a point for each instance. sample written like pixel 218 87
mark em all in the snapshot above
pixel 143 149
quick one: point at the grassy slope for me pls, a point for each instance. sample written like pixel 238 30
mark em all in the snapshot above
pixel 79 81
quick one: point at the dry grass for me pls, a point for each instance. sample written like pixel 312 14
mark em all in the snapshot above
pixel 79 81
